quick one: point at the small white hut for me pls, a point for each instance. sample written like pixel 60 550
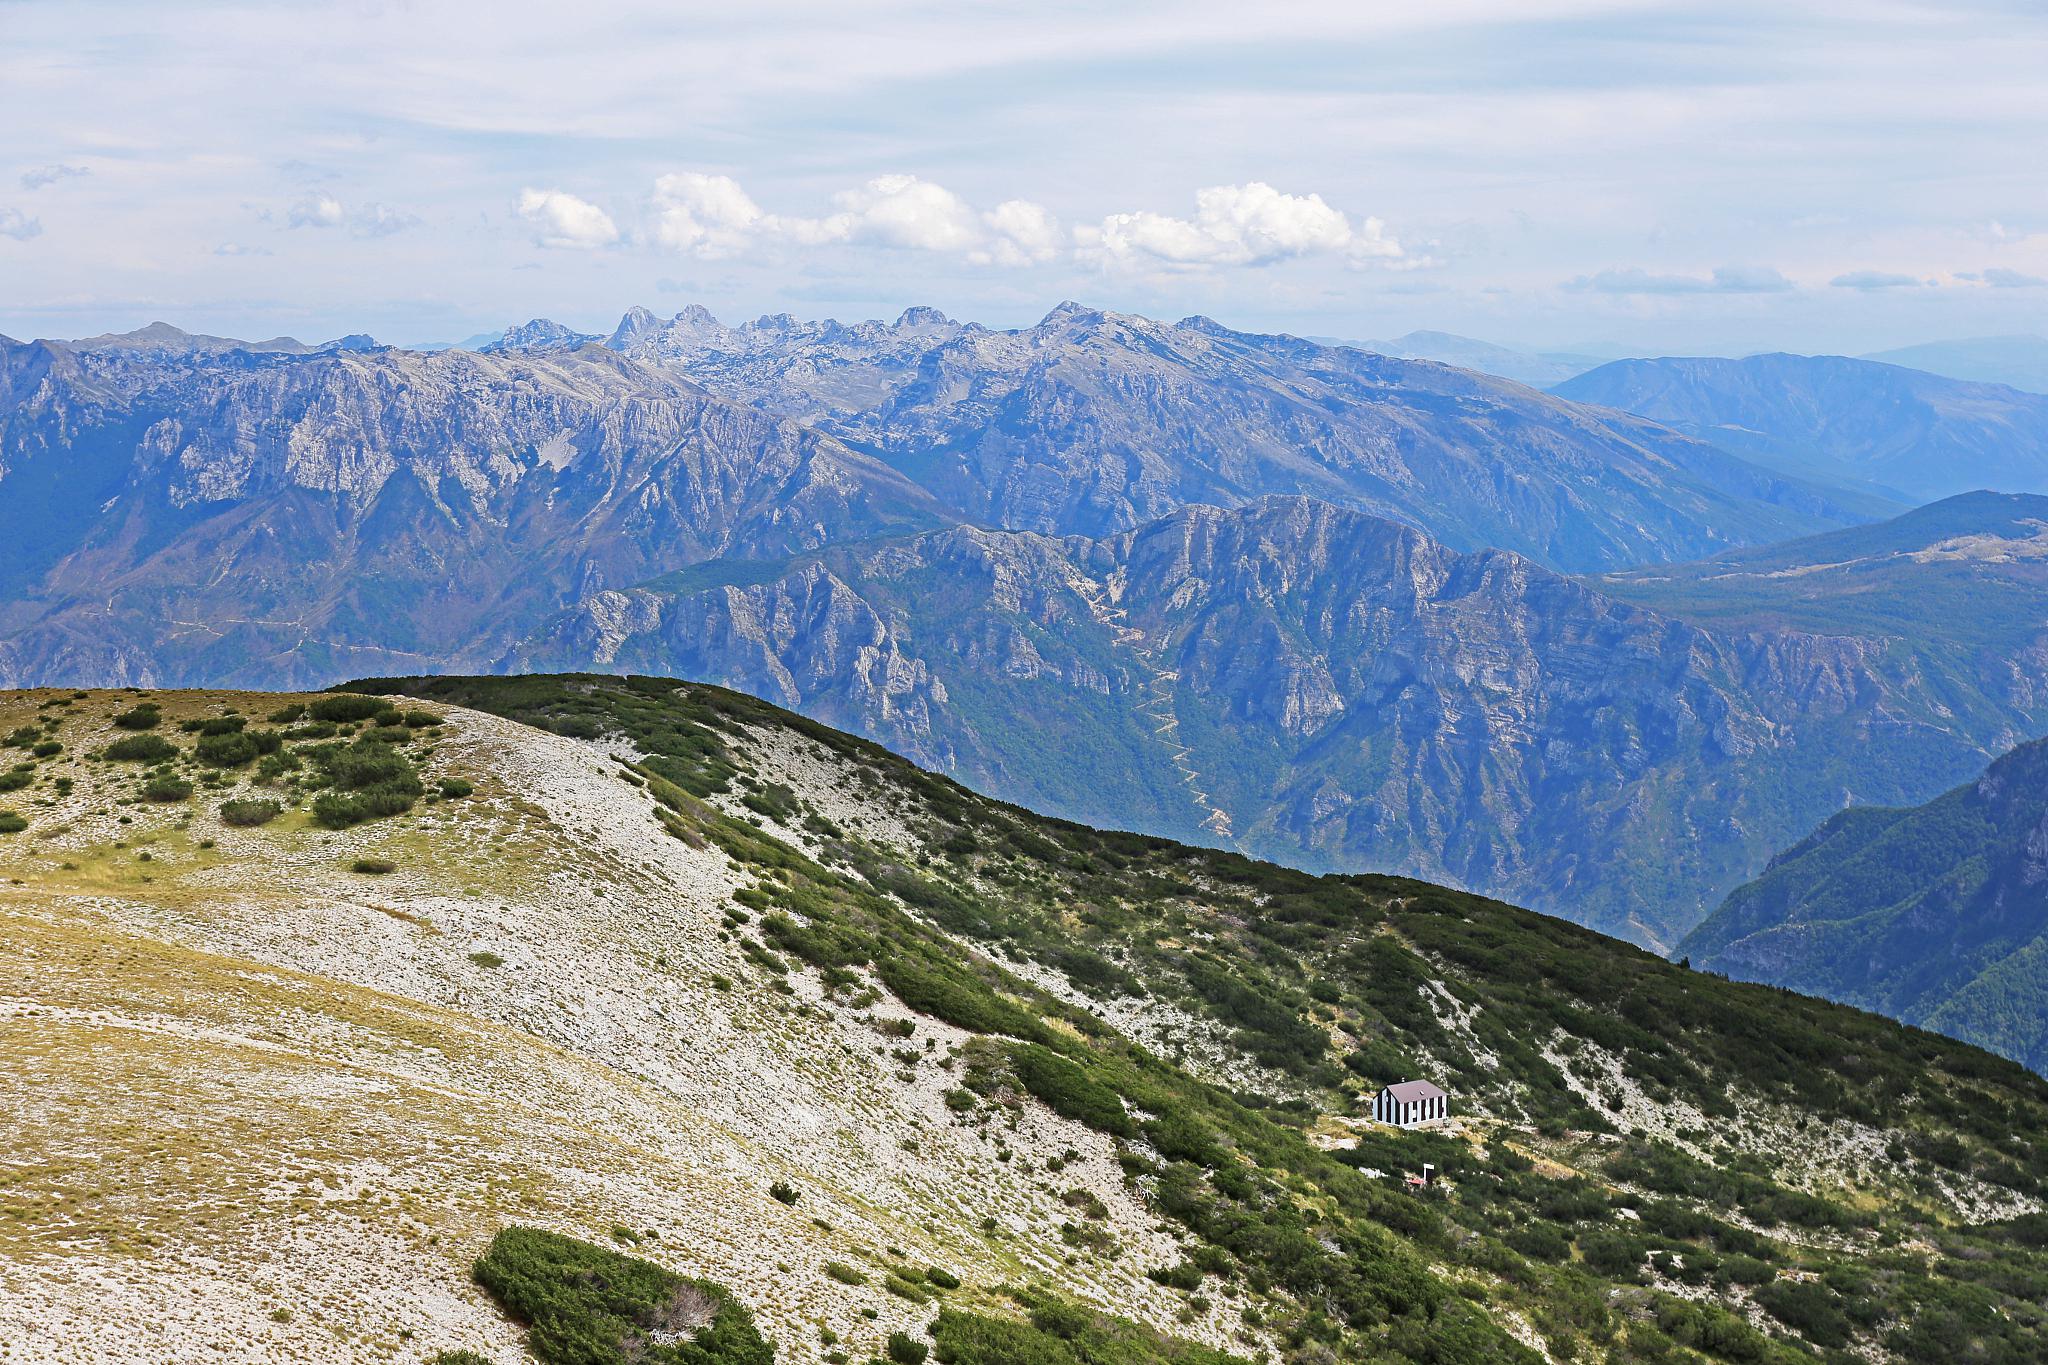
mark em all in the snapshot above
pixel 1410 1104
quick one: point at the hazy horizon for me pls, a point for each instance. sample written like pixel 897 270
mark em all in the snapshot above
pixel 1629 175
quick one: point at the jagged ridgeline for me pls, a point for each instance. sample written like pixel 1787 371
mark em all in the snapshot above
pixel 694 1030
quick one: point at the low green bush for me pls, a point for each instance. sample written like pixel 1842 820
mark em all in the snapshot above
pixel 1062 1333
pixel 589 1305
pixel 15 778
pixel 249 812
pixel 1069 1091
pixel 369 779
pixel 165 787
pixel 11 823
pixel 142 749
pixel 455 788
pixel 145 716
pixel 233 748
pixel 905 1349
pixel 373 867
pixel 346 708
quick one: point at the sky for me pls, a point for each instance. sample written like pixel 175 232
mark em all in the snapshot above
pixel 1604 175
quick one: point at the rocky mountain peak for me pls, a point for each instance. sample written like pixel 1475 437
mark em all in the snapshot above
pixel 540 334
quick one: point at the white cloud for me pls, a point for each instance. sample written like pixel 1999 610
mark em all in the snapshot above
pixel 705 215
pixel 1875 279
pixel 50 175
pixel 1024 233
pixel 902 211
pixel 562 220
pixel 239 249
pixel 1251 224
pixel 711 216
pixel 1726 279
pixel 316 211
pixel 18 225
pixel 380 220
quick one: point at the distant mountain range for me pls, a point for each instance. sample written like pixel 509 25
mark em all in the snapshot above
pixel 1094 423
pixel 1538 369
pixel 1937 915
pixel 1899 431
pixel 2018 361
pixel 1242 588
pixel 248 517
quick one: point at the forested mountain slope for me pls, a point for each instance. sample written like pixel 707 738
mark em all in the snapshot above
pixel 1935 914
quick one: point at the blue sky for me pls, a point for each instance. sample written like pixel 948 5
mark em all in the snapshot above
pixel 1638 176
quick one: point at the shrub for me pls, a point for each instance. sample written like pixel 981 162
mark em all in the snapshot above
pixel 288 715
pixel 962 1000
pixel 1613 1254
pixel 456 787
pixel 164 787
pixel 346 708
pixel 249 812
pixel 1069 1091
pixel 374 867
pixel 142 717
pixel 782 1192
pixel 457 1358
pixel 234 748
pixel 48 748
pixel 1809 1308
pixel 371 778
pixel 844 1273
pixel 21 738
pixel 483 957
pixel 588 1305
pixel 14 779
pixel 1541 1242
pixel 10 823
pixel 944 1279
pixel 906 1349
pixel 421 720
pixel 142 749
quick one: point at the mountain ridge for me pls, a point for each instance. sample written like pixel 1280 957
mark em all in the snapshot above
pixel 1337 689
